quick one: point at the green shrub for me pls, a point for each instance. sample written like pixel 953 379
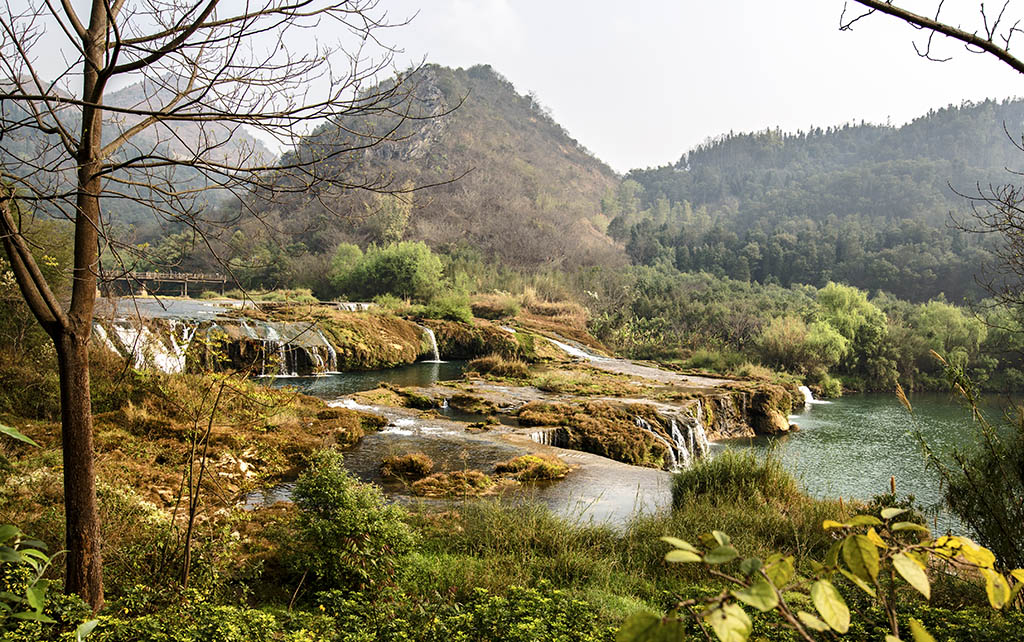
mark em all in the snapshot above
pixel 451 306
pixel 407 270
pixel 347 536
pixel 714 360
pixel 830 387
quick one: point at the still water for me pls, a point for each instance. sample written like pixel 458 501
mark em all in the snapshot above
pixel 850 447
pixel 421 373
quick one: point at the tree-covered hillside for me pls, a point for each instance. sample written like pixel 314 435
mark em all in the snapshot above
pixel 868 205
pixel 527 194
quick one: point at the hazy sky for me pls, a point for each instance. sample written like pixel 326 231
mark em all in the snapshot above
pixel 640 82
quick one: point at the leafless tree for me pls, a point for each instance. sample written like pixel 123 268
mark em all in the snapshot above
pixel 996 209
pixel 205 70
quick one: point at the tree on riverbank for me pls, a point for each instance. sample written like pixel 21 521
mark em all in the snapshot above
pixel 203 73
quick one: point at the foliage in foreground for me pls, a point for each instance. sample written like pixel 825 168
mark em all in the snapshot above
pixel 348 537
pixel 875 555
pixel 984 486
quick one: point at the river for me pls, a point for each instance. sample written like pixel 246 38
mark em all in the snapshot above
pixel 851 446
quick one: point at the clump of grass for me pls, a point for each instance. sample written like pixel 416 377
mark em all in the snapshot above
pixel 585 381
pixel 457 483
pixel 568 313
pixel 496 305
pixel 733 474
pixel 534 467
pixel 411 466
pixel 472 404
pixel 754 371
pixel 720 361
pixel 499 366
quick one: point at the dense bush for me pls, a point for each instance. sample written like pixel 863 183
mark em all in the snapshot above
pixel 407 270
pixel 347 536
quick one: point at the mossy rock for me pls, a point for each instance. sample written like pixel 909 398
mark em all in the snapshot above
pixel 472 404
pixel 769 409
pixel 463 341
pixel 604 429
pixel 534 468
pixel 411 466
pixel 411 399
pixel 457 483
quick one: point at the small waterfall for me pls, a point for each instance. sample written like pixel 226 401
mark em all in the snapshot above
pixel 808 395
pixel 433 345
pixel 681 445
pixel 646 427
pixel 550 437
pixel 699 433
pixel 332 354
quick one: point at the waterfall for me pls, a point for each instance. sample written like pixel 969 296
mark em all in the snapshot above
pixel 680 439
pixel 700 432
pixel 646 427
pixel 808 395
pixel 332 354
pixel 433 345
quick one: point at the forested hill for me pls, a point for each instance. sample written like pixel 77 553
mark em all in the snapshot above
pixel 527 194
pixel 864 204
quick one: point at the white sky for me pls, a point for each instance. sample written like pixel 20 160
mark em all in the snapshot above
pixel 641 82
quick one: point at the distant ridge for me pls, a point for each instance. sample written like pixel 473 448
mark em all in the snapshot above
pixel 869 205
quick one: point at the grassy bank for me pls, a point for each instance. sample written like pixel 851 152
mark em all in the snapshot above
pixel 480 570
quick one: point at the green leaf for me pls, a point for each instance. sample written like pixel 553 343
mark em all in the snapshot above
pixel 680 544
pixel 920 633
pixel 8 554
pixel 85 628
pixel 36 595
pixel 865 520
pixel 679 555
pixel 830 605
pixel 721 538
pixel 996 588
pixel 892 638
pixel 7 532
pixel 910 526
pixel 861 584
pixel 811 621
pixel 15 434
pixel 861 557
pixel 889 513
pixel 760 595
pixel 912 572
pixel 721 555
pixel 750 566
pixel 646 627
pixel 779 569
pixel 829 524
pixel 730 623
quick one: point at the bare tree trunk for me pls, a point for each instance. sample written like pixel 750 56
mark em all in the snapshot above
pixel 82 537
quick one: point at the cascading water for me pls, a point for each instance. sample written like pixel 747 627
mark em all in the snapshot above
pixel 433 345
pixel 332 354
pixel 646 427
pixel 808 395
pixel 680 439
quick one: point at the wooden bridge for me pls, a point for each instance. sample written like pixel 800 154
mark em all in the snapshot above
pixel 166 283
